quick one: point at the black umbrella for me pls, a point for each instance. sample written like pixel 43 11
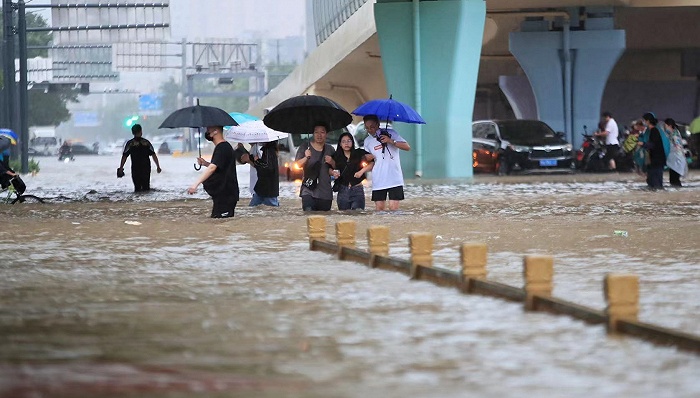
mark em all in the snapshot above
pixel 300 114
pixel 198 116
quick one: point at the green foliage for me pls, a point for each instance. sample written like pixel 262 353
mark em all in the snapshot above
pixel 49 109
pixel 37 38
pixel 34 39
pixel 45 109
pixel 33 165
pixel 170 91
pixel 278 72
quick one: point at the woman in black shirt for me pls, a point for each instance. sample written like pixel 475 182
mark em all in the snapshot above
pixel 657 153
pixel 350 167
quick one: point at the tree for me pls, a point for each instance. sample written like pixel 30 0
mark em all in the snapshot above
pixel 45 108
pixel 49 109
pixel 278 72
pixel 35 39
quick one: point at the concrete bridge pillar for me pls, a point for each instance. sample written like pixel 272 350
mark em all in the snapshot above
pixel 568 69
pixel 436 72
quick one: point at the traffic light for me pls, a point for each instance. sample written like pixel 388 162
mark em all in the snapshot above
pixel 130 121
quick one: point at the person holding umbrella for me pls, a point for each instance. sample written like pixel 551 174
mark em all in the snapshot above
pixel 219 178
pixel 7 139
pixel 316 158
pixel 387 176
pixel 265 168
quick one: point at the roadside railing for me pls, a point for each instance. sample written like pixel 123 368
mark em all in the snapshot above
pixel 621 290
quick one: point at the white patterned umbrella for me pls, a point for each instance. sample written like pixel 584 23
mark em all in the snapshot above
pixel 252 132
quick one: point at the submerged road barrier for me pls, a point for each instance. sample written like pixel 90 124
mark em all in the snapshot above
pixel 621 290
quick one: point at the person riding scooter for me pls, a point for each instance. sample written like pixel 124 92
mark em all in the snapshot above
pixel 65 151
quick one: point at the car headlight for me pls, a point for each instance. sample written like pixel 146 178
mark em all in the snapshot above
pixel 568 148
pixel 519 148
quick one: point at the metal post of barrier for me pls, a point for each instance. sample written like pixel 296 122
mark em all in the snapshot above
pixel 378 242
pixel 473 257
pixel 622 296
pixel 538 271
pixel 316 226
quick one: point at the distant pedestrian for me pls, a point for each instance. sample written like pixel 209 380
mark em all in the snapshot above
pixel 219 178
pixel 653 142
pixel 632 149
pixel 610 133
pixel 139 149
pixel 676 161
pixel 694 143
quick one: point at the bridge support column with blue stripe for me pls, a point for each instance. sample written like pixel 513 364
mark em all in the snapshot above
pixel 592 56
pixel 446 66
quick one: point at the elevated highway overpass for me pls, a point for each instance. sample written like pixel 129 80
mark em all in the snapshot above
pixel 652 52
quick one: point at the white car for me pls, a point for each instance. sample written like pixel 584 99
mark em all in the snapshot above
pixel 113 148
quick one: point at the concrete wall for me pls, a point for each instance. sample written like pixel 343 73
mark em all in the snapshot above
pixel 629 100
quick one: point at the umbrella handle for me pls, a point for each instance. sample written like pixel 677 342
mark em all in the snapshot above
pixel 199 146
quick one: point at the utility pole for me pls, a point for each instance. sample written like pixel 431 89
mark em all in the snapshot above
pixel 23 96
pixel 9 63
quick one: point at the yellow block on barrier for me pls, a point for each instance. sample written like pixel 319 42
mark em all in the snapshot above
pixel 316 226
pixel 421 245
pixel 622 296
pixel 378 240
pixel 538 271
pixel 473 257
pixel 345 233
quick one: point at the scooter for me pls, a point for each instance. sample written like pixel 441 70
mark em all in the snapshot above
pixel 65 156
pixel 591 156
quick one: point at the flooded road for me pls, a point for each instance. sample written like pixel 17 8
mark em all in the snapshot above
pixel 181 305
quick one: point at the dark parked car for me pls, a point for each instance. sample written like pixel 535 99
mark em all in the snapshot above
pixel 505 146
pixel 80 149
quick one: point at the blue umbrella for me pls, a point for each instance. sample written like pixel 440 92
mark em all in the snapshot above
pixel 389 109
pixel 241 118
pixel 9 134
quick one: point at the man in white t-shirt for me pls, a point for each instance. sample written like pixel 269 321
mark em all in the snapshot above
pixel 612 144
pixel 387 177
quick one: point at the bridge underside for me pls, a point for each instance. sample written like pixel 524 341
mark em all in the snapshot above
pixel 658 68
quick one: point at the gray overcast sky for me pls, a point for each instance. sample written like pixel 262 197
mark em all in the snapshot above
pixel 229 18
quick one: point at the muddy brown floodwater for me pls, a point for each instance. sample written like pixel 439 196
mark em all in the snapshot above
pixel 178 305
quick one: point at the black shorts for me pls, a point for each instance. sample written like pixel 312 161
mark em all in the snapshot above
pixel 395 193
pixel 224 206
pixel 611 151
